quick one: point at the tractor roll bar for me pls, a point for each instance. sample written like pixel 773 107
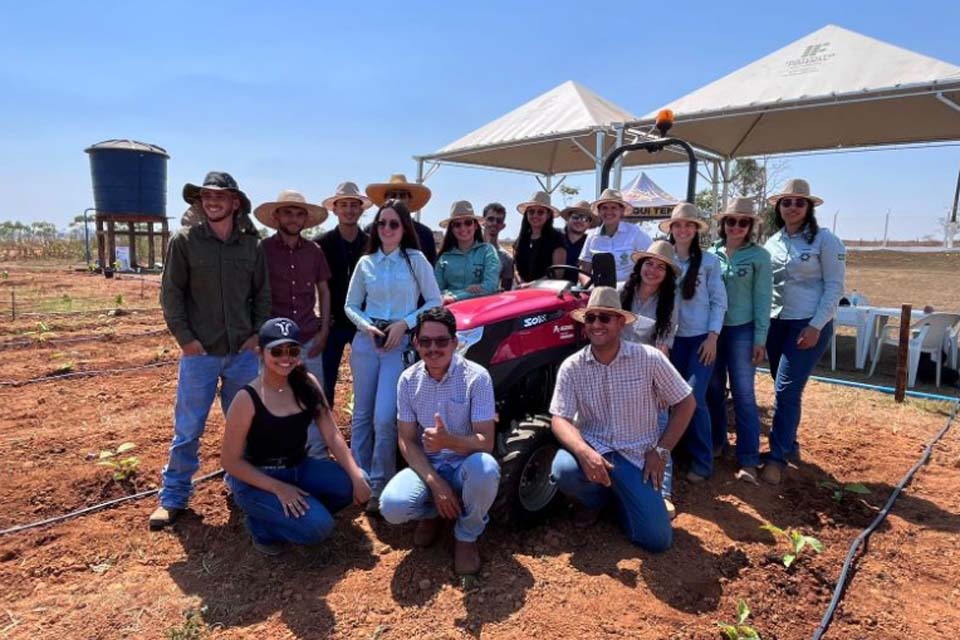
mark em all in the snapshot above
pixel 652 146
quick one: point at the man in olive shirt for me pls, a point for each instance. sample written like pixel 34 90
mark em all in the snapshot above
pixel 215 295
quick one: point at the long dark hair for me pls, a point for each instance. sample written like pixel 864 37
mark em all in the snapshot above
pixel 549 233
pixel 689 286
pixel 307 394
pixel 409 239
pixel 810 226
pixel 450 241
pixel 666 296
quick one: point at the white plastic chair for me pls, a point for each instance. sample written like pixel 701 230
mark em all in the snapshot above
pixel 927 335
pixel 952 345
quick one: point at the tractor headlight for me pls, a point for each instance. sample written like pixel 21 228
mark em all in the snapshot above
pixel 467 338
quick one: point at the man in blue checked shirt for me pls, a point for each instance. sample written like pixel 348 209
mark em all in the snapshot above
pixel 446 413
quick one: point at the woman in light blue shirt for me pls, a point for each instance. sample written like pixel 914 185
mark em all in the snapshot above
pixel 382 301
pixel 702 302
pixel 809 265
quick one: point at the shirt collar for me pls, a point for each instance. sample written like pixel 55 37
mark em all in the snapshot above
pixel 380 256
pixel 456 363
pixel 624 352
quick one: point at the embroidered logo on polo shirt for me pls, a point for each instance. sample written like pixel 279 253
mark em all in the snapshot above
pixel 742 272
pixel 804 257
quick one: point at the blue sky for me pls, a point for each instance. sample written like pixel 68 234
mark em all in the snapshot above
pixel 305 95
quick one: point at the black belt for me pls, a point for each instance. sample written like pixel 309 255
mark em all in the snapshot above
pixel 285 462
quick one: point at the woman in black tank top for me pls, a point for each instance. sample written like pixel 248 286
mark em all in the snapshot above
pixel 286 496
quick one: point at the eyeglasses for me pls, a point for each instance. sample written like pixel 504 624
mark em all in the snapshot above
pixel 743 223
pixel 604 318
pixel 793 202
pixel 494 219
pixel 292 350
pixel 457 224
pixel 398 195
pixel 393 224
pixel 579 217
pixel 441 343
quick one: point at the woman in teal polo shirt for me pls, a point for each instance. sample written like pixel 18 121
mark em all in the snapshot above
pixel 466 266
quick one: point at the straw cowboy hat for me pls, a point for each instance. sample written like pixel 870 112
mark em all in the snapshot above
pixel 614 196
pixel 795 187
pixel 459 210
pixel 603 299
pixel 538 199
pixel 684 211
pixel 348 190
pixel 216 181
pixel 289 198
pixel 581 207
pixel 419 194
pixel 660 250
pixel 739 207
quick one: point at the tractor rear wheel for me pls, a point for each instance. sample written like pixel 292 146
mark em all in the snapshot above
pixel 525 454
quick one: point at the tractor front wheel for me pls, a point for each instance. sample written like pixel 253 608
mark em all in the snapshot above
pixel 526 455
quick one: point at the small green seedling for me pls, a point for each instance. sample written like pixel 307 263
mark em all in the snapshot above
pixel 123 468
pixel 192 628
pixel 66 366
pixel 118 301
pixel 4 275
pixel 741 630
pixel 797 542
pixel 42 334
pixel 839 491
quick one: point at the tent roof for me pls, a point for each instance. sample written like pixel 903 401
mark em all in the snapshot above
pixel 645 193
pixel 539 136
pixel 832 88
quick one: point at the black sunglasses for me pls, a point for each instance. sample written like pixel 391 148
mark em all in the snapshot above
pixel 743 223
pixel 292 350
pixel 393 224
pixel 495 219
pixel 441 343
pixel 456 224
pixel 793 202
pixel 580 217
pixel 604 318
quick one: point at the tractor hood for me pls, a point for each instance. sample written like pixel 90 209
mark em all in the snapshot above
pixel 541 298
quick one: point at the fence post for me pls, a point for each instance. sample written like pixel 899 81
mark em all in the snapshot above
pixel 903 350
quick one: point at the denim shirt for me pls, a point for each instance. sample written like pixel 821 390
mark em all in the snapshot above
pixel 749 282
pixel 703 312
pixel 456 270
pixel 388 286
pixel 807 277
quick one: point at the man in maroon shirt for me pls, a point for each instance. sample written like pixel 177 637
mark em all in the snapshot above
pixel 298 272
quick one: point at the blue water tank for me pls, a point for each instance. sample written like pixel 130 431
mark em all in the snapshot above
pixel 129 177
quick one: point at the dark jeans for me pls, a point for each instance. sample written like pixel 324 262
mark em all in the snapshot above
pixel 790 367
pixel 339 338
pixel 697 441
pixel 735 359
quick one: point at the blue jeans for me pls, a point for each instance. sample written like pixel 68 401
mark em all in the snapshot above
pixel 330 491
pixel 735 358
pixel 698 438
pixel 339 338
pixel 790 367
pixel 197 382
pixel 476 478
pixel 373 436
pixel 643 514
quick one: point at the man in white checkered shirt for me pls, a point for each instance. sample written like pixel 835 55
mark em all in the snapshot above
pixel 445 422
pixel 611 391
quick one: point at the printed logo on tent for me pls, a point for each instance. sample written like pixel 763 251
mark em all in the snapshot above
pixel 810 60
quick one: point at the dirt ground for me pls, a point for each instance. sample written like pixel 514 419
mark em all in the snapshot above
pixel 105 575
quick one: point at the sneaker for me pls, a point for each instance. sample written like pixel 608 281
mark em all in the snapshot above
pixel 270 549
pixel 671 509
pixel 695 478
pixel 373 506
pixel 747 474
pixel 584 517
pixel 466 558
pixel 772 473
pixel 794 456
pixel 426 532
pixel 163 517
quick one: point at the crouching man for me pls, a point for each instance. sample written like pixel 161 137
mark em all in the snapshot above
pixel 613 387
pixel 445 424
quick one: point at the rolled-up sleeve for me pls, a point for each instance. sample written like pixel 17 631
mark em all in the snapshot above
pixel 833 262
pixel 173 290
pixel 357 294
pixel 718 297
pixel 426 281
pixel 762 296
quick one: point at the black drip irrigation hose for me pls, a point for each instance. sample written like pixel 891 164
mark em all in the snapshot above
pixel 55 342
pixel 85 374
pixel 99 507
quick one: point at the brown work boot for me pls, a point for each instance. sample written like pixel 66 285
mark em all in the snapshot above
pixel 772 473
pixel 426 532
pixel 583 517
pixel 466 558
pixel 163 517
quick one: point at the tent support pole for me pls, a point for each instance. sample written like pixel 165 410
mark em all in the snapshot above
pixel 598 159
pixel 716 186
pixel 419 181
pixel 726 183
pixel 618 167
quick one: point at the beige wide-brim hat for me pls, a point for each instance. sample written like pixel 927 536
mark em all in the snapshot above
pixel 290 198
pixel 539 199
pixel 604 299
pixel 347 190
pixel 459 210
pixel 614 196
pixel 685 211
pixel 419 194
pixel 660 250
pixel 795 187
pixel 581 207
pixel 742 207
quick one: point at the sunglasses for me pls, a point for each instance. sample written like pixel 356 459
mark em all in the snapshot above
pixel 393 224
pixel 292 350
pixel 579 217
pixel 604 318
pixel 398 195
pixel 441 343
pixel 537 211
pixel 495 219
pixel 457 224
pixel 793 202
pixel 743 223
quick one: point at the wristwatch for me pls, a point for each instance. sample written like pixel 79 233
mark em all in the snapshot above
pixel 663 452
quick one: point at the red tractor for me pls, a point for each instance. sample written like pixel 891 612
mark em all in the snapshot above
pixel 522 337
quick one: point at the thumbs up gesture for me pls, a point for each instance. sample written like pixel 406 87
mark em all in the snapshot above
pixel 435 437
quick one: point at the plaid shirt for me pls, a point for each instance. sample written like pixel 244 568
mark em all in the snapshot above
pixel 615 405
pixel 463 397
